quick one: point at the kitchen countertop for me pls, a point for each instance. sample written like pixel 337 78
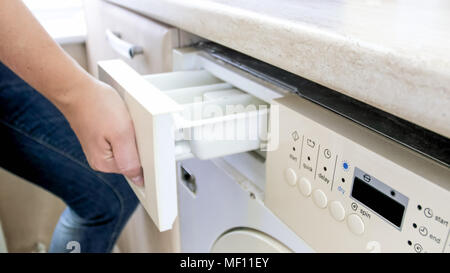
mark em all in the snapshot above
pixel 65 30
pixel 63 20
pixel 394 55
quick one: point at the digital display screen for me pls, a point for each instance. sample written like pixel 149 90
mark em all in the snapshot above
pixel 379 202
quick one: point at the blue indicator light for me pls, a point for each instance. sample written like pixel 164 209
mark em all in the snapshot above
pixel 345 165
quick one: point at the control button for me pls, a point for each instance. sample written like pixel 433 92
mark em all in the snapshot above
pixel 304 186
pixel 320 199
pixel 355 224
pixel 418 248
pixel 290 176
pixel 428 213
pixel 327 153
pixel 295 135
pixel 337 210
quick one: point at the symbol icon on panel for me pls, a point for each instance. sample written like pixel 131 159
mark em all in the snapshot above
pixel 428 213
pixel 295 135
pixel 327 153
pixel 418 248
pixel 311 143
pixel 367 177
pixel 423 231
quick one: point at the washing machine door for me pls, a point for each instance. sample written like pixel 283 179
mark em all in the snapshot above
pixel 243 240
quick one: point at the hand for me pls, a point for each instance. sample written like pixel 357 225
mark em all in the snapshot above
pixel 105 130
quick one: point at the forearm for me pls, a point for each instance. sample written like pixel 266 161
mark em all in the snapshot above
pixel 94 110
pixel 32 54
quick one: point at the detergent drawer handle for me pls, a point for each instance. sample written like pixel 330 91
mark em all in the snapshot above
pixel 122 47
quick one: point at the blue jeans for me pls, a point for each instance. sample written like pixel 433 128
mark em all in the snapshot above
pixel 38 144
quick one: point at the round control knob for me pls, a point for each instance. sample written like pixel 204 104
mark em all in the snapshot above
pixel 320 199
pixel 337 210
pixel 304 186
pixel 355 224
pixel 290 176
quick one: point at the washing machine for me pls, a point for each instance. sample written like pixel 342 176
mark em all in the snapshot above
pixel 221 208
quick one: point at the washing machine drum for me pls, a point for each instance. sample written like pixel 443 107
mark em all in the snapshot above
pixel 243 240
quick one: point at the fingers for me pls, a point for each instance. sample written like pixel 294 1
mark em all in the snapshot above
pixel 100 156
pixel 118 155
pixel 127 157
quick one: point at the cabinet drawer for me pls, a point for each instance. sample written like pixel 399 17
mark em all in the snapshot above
pixel 114 31
pixel 183 114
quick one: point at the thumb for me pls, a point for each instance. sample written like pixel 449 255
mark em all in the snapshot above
pixel 127 157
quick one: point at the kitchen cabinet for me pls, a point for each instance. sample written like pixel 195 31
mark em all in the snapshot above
pixel 143 43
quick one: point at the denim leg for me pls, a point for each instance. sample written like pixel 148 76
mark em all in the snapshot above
pixel 39 145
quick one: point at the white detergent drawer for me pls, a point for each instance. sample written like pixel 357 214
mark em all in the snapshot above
pixel 183 114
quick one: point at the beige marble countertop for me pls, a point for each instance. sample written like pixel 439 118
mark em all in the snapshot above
pixel 63 20
pixel 394 55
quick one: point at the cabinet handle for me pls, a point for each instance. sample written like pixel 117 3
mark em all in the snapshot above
pixel 122 47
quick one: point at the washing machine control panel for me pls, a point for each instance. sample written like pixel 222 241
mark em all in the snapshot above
pixel 344 188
